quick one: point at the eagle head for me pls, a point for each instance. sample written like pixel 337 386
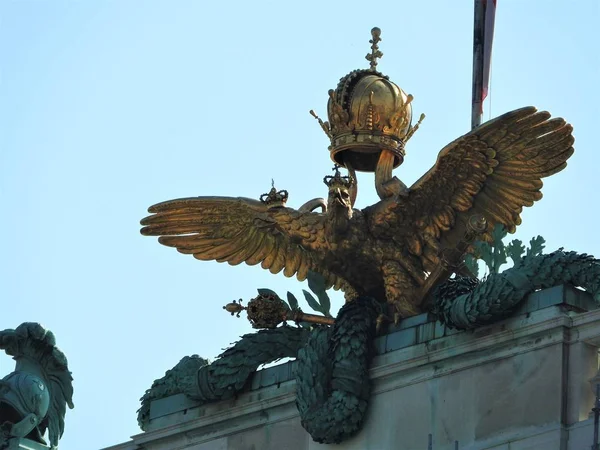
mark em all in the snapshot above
pixel 339 209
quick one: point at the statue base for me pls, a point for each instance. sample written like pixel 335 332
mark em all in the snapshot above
pixel 523 383
pixel 24 444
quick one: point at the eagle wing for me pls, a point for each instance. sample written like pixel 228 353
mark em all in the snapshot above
pixel 493 171
pixel 239 230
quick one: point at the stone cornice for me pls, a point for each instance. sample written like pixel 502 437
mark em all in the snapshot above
pixel 432 351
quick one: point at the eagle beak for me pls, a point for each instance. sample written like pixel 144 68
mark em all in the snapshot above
pixel 341 197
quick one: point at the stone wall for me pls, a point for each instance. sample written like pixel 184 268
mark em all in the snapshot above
pixel 523 383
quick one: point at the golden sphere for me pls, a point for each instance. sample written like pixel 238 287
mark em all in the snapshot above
pixel 368 114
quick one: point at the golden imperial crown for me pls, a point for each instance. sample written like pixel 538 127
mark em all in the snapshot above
pixel 367 114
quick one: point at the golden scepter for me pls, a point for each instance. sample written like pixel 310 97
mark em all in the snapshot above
pixel 268 311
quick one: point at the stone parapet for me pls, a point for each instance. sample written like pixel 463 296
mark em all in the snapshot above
pixel 522 383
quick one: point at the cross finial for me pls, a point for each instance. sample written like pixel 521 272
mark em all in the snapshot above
pixel 375 52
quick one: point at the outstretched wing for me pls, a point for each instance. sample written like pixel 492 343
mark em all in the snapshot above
pixel 240 230
pixel 493 171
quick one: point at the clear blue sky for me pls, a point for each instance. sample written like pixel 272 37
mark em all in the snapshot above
pixel 107 107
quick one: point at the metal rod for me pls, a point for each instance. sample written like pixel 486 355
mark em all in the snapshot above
pixel 430 446
pixel 478 30
pixel 312 318
pixel 455 445
pixel 596 410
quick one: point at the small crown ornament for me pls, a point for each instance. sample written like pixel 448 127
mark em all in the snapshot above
pixel 337 180
pixel 367 114
pixel 274 198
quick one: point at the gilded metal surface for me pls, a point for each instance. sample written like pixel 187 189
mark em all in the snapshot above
pixel 387 250
pixel 375 52
pixel 268 311
pixel 299 316
pixel 274 197
pixel 450 259
pixel 368 115
pixel 313 204
pixel 235 308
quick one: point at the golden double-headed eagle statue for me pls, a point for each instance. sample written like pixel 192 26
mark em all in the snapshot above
pixel 400 248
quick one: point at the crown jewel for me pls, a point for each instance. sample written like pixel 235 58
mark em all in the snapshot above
pixel 367 114
pixel 337 180
pixel 274 197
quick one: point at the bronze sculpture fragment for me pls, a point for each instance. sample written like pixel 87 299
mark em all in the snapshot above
pixel 398 249
pixel 397 252
pixel 34 397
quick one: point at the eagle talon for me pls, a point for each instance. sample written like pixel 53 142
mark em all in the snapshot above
pixel 380 321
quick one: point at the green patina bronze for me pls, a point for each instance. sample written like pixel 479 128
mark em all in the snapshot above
pixel 467 303
pixel 332 382
pixel 34 397
pixel 229 373
pixel 496 253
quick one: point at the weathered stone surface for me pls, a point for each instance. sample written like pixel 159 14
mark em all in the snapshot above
pixel 519 384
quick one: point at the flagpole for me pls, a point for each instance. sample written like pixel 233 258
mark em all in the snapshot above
pixel 478 36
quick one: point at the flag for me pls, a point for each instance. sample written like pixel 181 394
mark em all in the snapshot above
pixel 488 38
pixel 483 36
